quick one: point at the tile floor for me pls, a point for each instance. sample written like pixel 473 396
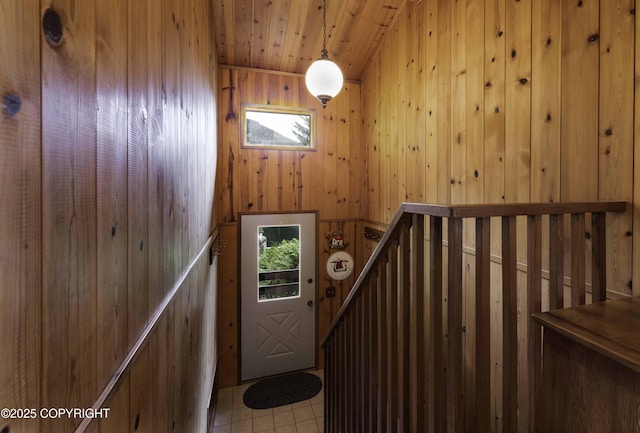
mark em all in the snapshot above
pixel 232 416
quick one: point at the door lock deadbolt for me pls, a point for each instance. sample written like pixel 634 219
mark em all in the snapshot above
pixel 310 303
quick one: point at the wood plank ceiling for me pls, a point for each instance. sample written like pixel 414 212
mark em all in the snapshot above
pixel 286 35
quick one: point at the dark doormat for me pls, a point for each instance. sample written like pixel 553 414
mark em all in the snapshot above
pixel 281 390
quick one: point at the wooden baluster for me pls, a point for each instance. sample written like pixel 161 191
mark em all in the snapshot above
pixel 364 356
pixel 330 399
pixel 599 257
pixel 534 305
pixel 342 383
pixel 353 372
pixel 556 261
pixel 328 373
pixel 577 260
pixel 404 328
pixel 509 325
pixel 358 353
pixel 338 403
pixel 382 348
pixel 335 381
pixel 418 367
pixel 437 390
pixel 346 372
pixel 355 369
pixel 483 325
pixel 455 403
pixel 392 321
pixel 366 359
pixel 373 355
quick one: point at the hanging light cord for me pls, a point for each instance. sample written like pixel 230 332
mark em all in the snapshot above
pixel 324 53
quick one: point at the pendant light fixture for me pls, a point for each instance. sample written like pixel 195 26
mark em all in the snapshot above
pixel 324 78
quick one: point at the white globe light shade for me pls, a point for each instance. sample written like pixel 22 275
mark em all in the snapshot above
pixel 324 80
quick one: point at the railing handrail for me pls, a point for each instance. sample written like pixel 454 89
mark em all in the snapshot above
pixel 511 209
pixel 467 211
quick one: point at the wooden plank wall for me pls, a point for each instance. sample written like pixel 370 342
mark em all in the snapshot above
pixel 107 189
pixel 259 180
pixel 328 180
pixel 521 101
pixel 530 100
pixel 20 213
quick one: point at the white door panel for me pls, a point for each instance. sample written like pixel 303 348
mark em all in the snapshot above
pixel 278 332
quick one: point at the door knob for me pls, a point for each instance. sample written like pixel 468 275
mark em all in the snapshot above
pixel 310 303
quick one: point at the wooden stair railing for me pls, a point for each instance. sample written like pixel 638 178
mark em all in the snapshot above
pixel 397 354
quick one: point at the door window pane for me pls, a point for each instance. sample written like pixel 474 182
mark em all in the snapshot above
pixel 278 262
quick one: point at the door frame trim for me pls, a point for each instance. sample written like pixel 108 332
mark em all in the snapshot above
pixel 239 279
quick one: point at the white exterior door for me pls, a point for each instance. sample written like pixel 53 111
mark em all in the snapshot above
pixel 278 289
